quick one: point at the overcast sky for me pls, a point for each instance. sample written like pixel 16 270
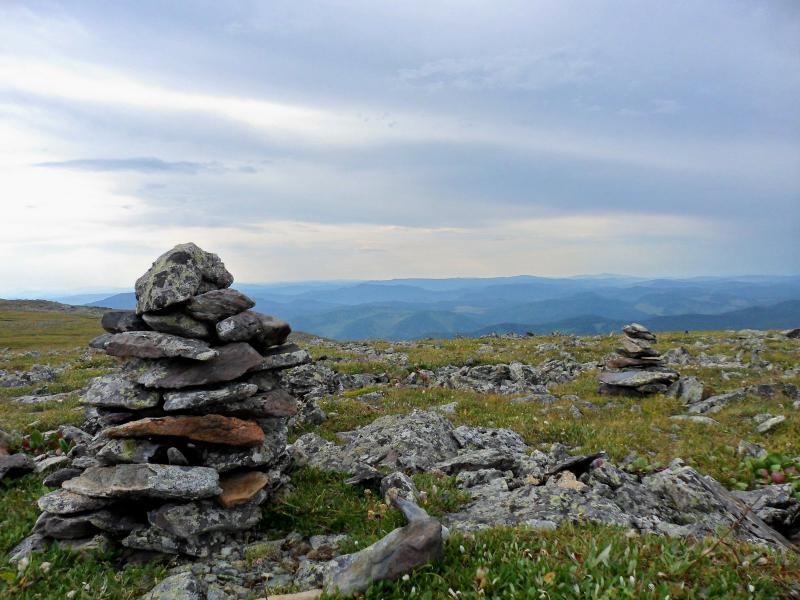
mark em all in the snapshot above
pixel 320 140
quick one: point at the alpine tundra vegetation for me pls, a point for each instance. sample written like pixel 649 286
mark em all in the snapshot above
pixel 215 458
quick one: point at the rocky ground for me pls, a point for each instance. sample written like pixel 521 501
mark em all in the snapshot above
pixel 546 487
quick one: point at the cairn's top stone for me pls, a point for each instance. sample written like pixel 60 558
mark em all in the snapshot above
pixel 185 271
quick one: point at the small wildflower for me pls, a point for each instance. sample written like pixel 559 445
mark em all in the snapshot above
pixel 45 567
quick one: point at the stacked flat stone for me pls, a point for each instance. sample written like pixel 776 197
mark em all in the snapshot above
pixel 638 369
pixel 190 436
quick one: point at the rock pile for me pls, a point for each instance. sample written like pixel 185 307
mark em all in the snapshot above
pixel 638 369
pixel 190 436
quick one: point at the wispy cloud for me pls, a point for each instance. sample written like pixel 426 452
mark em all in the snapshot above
pixel 142 165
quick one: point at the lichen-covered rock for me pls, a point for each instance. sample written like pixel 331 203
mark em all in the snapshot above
pixel 146 481
pixel 218 304
pixel 116 391
pixel 180 273
pixel 63 502
pixel 154 344
pixel 182 586
pixel 415 441
pixel 180 324
pixel 199 518
pixel 194 399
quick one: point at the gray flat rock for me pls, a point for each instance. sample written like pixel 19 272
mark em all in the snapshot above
pixel 192 399
pixel 283 357
pixel 262 331
pixel 233 361
pixel 637 378
pixel 155 344
pixel 146 481
pixel 218 304
pixel 63 502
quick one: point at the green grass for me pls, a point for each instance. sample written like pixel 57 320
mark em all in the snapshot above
pixel 91 576
pixel 603 562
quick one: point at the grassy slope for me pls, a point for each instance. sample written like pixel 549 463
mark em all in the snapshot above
pixel 587 561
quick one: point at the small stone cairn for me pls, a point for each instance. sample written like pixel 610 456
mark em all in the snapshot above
pixel 190 435
pixel 638 368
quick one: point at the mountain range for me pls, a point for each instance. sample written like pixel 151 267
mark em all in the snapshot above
pixel 400 309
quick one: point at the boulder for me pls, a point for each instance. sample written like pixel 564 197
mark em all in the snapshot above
pixel 154 344
pixel 146 481
pixel 218 304
pixel 194 399
pixel 213 429
pixel 260 330
pixel 119 321
pixel 180 324
pixel 115 391
pixel 180 273
pixel 233 361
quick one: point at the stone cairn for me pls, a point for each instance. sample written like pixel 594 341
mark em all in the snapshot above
pixel 638 369
pixel 190 435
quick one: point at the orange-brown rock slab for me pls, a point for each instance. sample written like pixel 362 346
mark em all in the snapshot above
pixel 240 488
pixel 213 429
